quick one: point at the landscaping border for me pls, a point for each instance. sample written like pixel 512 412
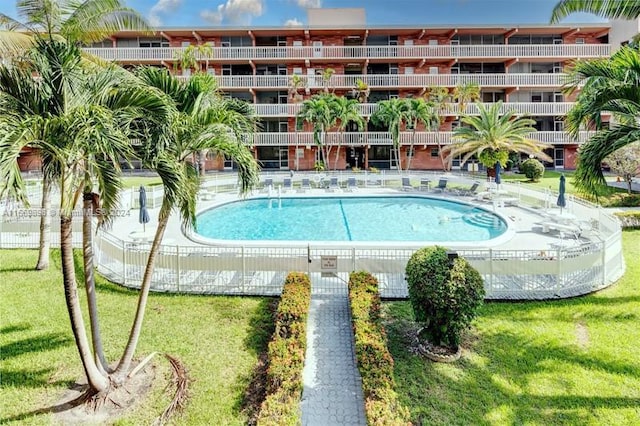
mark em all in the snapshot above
pixel 286 354
pixel 373 357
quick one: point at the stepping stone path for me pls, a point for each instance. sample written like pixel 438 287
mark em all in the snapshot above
pixel 332 392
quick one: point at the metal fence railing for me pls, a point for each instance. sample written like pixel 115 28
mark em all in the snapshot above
pixel 245 270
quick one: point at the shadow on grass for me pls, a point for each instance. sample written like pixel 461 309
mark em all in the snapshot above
pixel 14 328
pixel 58 408
pixel 499 381
pixel 29 379
pixel 45 342
pixel 254 384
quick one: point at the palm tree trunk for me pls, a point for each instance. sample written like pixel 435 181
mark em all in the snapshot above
pixel 97 381
pixel 45 226
pixel 201 162
pixel 90 283
pixel 125 362
pixel 413 140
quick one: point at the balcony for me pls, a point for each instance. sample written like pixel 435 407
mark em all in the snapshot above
pixel 374 81
pixel 384 138
pixel 343 53
pixel 528 108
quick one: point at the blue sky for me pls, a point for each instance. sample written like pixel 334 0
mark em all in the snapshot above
pixel 202 13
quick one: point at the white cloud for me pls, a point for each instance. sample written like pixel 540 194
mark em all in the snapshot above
pixel 306 4
pixel 292 23
pixel 162 7
pixel 234 11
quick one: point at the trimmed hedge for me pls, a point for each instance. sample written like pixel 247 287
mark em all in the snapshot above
pixel 629 219
pixel 374 360
pixel 286 354
pixel 533 169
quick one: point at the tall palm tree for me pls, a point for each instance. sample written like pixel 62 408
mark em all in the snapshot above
pixel 606 85
pixel 491 136
pixel 83 137
pixel 437 96
pixel 76 21
pixel 419 111
pixel 203 121
pixel 345 111
pixel 317 110
pixel 615 9
pixel 392 113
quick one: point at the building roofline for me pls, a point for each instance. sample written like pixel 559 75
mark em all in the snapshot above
pixel 590 25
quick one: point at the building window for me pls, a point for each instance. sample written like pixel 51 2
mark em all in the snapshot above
pixel 435 152
pixel 410 152
pixel 580 40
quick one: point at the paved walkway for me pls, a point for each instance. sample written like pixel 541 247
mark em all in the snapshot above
pixel 332 392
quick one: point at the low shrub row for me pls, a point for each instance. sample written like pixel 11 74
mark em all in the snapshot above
pixel 374 360
pixel 629 219
pixel 286 354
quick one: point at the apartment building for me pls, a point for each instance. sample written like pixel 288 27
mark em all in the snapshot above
pixel 521 65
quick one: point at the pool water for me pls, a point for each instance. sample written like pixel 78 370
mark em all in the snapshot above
pixel 349 219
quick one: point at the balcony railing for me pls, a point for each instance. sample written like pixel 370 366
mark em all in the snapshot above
pixel 355 52
pixel 384 138
pixel 528 108
pixel 341 81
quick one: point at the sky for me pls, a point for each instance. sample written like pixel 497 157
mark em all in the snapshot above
pixel 205 13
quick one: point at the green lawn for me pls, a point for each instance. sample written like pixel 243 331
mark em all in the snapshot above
pixel 539 363
pixel 136 181
pixel 217 338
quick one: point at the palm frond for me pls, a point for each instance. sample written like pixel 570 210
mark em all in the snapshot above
pixel 610 9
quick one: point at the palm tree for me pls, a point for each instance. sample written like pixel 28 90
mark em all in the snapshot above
pixel 419 111
pixel 437 96
pixel 616 9
pixel 345 111
pixel 491 136
pixel 392 113
pixel 606 85
pixel 83 137
pixel 85 21
pixel 203 121
pixel 318 111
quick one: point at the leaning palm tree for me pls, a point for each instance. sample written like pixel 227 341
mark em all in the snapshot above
pixel 345 111
pixel 203 121
pixel 392 113
pixel 317 110
pixel 614 9
pixel 76 21
pixel 491 136
pixel 419 111
pixel 606 85
pixel 84 140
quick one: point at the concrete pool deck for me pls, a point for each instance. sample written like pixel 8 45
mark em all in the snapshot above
pixel 523 221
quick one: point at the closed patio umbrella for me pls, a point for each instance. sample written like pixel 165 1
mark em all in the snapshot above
pixel 144 214
pixel 498 169
pixel 562 202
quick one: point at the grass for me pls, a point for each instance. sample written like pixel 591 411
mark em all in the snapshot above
pixel 136 181
pixel 217 338
pixel 558 362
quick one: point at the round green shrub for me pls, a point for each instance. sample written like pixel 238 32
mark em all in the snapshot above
pixel 445 295
pixel 532 169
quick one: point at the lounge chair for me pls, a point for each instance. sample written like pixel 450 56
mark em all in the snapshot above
pixel 286 184
pixel 268 183
pixel 351 184
pixel 306 184
pixel 406 184
pixel 333 184
pixel 442 185
pixel 469 191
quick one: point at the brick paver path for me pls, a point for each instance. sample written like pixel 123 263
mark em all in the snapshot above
pixel 332 392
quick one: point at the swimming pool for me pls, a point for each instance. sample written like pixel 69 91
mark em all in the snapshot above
pixel 356 219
